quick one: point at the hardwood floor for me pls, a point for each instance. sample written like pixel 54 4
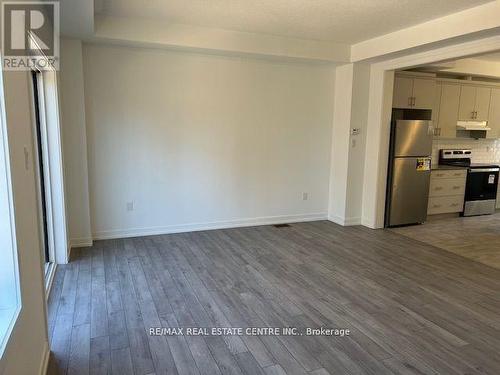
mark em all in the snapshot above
pixel 411 308
pixel 476 237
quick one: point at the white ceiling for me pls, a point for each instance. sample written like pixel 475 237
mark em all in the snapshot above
pixel 345 21
pixel 489 57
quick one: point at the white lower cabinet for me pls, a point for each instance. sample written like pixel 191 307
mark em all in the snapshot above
pixel 446 191
pixel 442 187
pixel 445 205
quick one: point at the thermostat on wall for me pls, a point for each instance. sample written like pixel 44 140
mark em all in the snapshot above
pixel 355 131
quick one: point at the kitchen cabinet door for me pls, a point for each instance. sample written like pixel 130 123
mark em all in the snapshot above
pixel 448 110
pixel 435 107
pixel 403 88
pixel 424 91
pixel 482 107
pixel 494 115
pixel 467 102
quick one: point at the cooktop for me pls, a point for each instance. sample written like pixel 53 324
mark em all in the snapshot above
pixel 461 158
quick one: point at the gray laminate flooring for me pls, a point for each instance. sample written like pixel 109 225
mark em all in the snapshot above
pixel 475 237
pixel 411 308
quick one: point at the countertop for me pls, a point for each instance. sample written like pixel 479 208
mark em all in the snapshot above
pixel 439 167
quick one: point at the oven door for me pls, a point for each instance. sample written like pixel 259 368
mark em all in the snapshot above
pixel 481 184
pixel 481 191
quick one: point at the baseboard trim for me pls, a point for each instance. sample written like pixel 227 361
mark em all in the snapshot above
pixel 44 365
pixel 345 221
pixel 80 242
pixel 369 223
pixel 268 220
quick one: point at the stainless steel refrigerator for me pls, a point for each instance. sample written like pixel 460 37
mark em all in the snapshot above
pixel 409 167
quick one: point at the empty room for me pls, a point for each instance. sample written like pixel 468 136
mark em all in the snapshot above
pixel 250 187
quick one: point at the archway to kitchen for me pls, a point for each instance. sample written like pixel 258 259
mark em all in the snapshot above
pixel 379 118
pixel 478 231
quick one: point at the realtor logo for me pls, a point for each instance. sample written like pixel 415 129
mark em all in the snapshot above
pixel 30 32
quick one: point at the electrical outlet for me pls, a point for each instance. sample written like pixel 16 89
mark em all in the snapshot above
pixel 305 196
pixel 130 206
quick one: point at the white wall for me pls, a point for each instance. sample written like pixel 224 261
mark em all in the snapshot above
pixel 339 168
pixel 203 141
pixel 74 136
pixel 357 143
pixel 27 347
pixel 348 150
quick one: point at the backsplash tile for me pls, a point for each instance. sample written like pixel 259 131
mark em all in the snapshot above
pixel 483 150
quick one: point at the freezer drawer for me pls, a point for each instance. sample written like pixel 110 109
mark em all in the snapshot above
pixel 409 192
pixel 413 138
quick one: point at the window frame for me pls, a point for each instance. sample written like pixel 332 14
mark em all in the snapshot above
pixel 6 178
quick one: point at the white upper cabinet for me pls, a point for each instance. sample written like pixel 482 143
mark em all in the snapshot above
pixel 474 103
pixel 494 115
pixel 437 104
pixel 412 92
pixel 403 92
pixel 448 110
pixel 467 103
pixel 424 91
pixel 451 100
pixel 483 96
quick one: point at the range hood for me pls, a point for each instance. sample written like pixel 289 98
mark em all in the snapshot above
pixel 473 125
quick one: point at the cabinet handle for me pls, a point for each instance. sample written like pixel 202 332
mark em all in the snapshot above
pixel 440 174
pixel 456 187
pixel 439 131
pixel 436 206
pixel 414 101
pixel 454 204
pixel 438 188
pixel 457 174
pixel 409 101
